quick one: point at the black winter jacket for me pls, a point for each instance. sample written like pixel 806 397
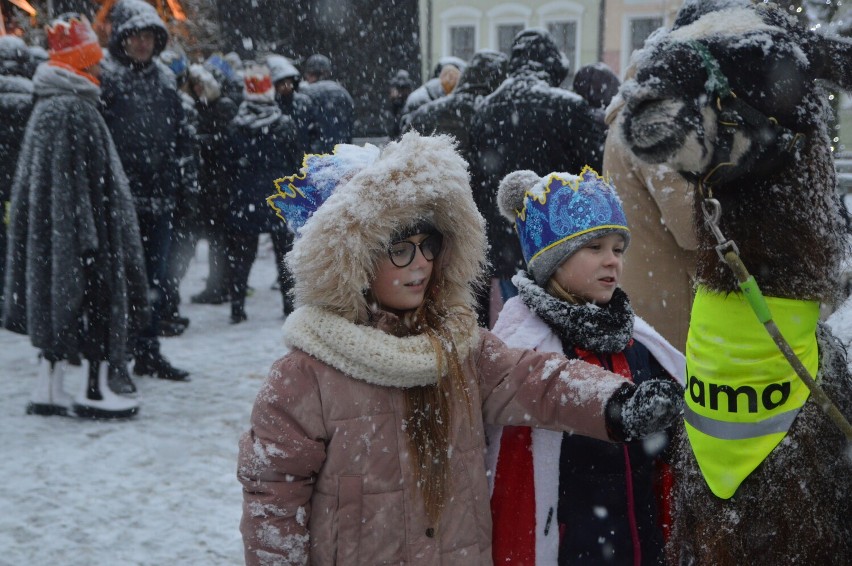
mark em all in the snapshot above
pixel 257 153
pixel 335 114
pixel 528 123
pixel 143 111
pixel 453 114
pixel 16 104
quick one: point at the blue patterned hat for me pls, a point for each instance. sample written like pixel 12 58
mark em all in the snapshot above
pixel 299 195
pixel 556 215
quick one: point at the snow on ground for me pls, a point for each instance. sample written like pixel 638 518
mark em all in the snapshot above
pixel 160 488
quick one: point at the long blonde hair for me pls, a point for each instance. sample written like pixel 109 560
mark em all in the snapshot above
pixel 554 289
pixel 429 416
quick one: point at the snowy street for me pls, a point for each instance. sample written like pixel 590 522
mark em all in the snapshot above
pixel 158 489
pixel 161 488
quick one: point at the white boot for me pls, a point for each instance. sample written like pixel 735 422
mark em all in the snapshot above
pixel 97 401
pixel 49 398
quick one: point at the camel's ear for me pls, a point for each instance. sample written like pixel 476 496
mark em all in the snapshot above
pixel 833 59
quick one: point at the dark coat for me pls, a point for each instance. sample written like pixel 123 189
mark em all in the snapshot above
pixel 528 123
pixel 615 477
pixel 84 216
pixel 214 118
pixel 143 111
pixel 300 107
pixel 335 114
pixel 260 147
pixel 16 104
pixel 453 114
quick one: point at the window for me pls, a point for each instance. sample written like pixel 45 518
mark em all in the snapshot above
pixel 640 29
pixel 462 41
pixel 505 35
pixel 565 36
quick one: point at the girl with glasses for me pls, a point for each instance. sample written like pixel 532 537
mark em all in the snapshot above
pixel 367 439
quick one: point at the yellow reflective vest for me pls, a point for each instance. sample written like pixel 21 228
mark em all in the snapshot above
pixel 741 393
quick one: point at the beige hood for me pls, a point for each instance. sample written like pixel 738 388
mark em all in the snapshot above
pixel 337 251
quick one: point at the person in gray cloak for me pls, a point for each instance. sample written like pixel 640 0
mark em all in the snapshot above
pixel 75 279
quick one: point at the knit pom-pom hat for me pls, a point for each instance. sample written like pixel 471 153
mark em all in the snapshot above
pixel 556 215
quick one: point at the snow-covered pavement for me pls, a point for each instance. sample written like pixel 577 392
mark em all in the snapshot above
pixel 159 489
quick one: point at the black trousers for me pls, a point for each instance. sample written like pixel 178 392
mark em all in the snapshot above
pixel 242 252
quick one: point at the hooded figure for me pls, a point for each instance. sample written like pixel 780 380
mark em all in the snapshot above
pixel 143 110
pixel 453 114
pixel 299 106
pixel 76 276
pixel 367 439
pixel 431 89
pixel 597 84
pixel 259 145
pixel 529 123
pixel 16 103
pixel 334 109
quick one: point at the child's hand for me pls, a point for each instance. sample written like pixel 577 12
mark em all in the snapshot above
pixel 636 411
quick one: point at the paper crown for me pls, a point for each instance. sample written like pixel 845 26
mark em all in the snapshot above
pixel 73 42
pixel 563 211
pixel 258 83
pixel 298 196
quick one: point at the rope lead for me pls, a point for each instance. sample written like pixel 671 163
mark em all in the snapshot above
pixel 729 253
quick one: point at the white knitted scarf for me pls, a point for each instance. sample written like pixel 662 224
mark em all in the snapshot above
pixel 369 354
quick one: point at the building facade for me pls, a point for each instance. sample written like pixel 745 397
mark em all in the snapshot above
pixel 587 31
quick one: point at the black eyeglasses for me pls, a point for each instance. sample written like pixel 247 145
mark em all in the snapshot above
pixel 402 253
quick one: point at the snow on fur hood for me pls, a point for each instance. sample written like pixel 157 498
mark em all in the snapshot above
pixel 338 249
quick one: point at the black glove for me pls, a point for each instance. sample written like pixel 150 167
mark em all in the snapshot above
pixel 636 411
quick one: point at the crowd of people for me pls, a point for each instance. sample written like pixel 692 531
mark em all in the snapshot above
pixel 181 151
pixel 123 158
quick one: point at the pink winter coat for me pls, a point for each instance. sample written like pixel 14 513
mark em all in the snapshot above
pixel 326 466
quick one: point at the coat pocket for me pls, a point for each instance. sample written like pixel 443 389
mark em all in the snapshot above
pixel 370 527
pixel 350 501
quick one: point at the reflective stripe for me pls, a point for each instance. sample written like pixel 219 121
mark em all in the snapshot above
pixel 728 430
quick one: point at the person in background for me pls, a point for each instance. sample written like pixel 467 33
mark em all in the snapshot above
pixel 432 89
pixel 260 144
pixel 334 109
pixel 453 114
pixel 16 104
pixel 366 441
pixel 144 113
pixel 658 201
pixel 597 84
pixel 559 498
pixel 38 55
pixel 76 275
pixel 230 78
pixel 215 112
pixel 551 129
pixel 185 233
pixel 400 87
pixel 285 80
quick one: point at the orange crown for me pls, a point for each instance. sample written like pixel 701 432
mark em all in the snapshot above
pixel 73 42
pixel 258 84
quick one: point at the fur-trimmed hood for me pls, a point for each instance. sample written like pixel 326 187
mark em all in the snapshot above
pixel 338 249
